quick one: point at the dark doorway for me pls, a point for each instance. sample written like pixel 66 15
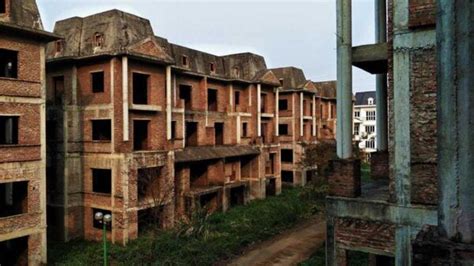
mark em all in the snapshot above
pixel 212 100
pixel 198 175
pixel 191 134
pixel 14 251
pixel 149 219
pixel 270 189
pixel 140 88
pixel 237 196
pixel 264 132
pixel 287 176
pixel 185 94
pixel 140 135
pixel 219 127
pixel 209 201
pixel 58 89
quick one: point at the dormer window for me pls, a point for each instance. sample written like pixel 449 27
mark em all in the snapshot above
pixel 184 60
pixel 98 40
pixel 371 101
pixel 3 6
pixel 281 82
pixel 212 67
pixel 58 46
pixel 236 72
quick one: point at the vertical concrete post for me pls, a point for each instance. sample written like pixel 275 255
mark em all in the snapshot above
pixel 381 79
pixel 313 114
pixel 277 111
pixel 259 111
pixel 344 78
pixel 455 120
pixel 301 113
pixel 125 97
pixel 168 102
pixel 330 242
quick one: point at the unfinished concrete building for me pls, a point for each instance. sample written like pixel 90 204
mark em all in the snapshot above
pixel 139 126
pixel 22 134
pixel 420 208
pixel 300 104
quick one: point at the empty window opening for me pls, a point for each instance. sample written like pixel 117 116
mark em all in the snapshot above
pixel 13 198
pixel 140 134
pixel 3 9
pixel 287 155
pixel 148 186
pixel 237 98
pixel 8 64
pixel 14 251
pixel 101 130
pixel 264 129
pixel 283 129
pixel 184 60
pixel 173 130
pixel 287 176
pixel 245 132
pixel 270 187
pixel 212 67
pixel 209 202
pixel 219 127
pixel 281 82
pixel 198 175
pixel 58 83
pixel 58 46
pixel 236 72
pixel 283 105
pixel 185 94
pixel 98 224
pixel 98 40
pixel 211 100
pixel 140 88
pixel 149 219
pixel 97 82
pixel 263 103
pixel 8 130
pixel 102 181
pixel 191 134
pixel 237 196
pixel 246 167
pixel 270 164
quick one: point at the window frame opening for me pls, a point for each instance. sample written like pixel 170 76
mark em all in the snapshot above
pixel 9 130
pixel 98 81
pixel 212 99
pixel 185 93
pixel 283 130
pixel 101 180
pixel 287 156
pixel 141 88
pixel 97 224
pixel 141 135
pixel 9 66
pixel 101 132
pixel 14 198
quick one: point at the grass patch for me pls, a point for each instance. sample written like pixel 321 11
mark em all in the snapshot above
pixel 226 235
pixel 365 173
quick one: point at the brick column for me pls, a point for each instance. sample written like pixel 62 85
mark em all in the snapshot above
pixel 344 180
pixel 379 168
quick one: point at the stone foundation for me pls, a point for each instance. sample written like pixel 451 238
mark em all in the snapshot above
pixel 344 180
pixel 379 168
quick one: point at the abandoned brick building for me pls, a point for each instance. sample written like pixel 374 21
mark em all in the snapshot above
pixel 300 103
pixel 139 126
pixel 419 209
pixel 22 130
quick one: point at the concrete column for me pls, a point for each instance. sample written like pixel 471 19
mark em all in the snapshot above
pixel 168 103
pixel 277 112
pixel 403 249
pixel 301 113
pixel 344 79
pixel 381 79
pixel 455 120
pixel 313 113
pixel 259 113
pixel 125 98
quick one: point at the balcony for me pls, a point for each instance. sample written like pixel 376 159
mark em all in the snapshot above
pixel 371 58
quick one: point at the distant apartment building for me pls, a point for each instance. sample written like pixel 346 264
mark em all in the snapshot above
pixel 364 129
pixel 22 134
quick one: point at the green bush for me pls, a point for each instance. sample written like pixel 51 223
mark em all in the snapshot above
pixel 203 240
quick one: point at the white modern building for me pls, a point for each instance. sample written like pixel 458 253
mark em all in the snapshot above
pixel 364 121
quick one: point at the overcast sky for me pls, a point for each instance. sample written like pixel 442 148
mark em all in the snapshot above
pixel 286 33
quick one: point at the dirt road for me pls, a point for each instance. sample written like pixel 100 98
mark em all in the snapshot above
pixel 288 248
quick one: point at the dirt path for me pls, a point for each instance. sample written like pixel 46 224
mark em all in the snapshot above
pixel 288 248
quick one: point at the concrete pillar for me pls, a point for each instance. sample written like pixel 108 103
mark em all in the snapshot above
pixel 313 113
pixel 125 97
pixel 301 113
pixel 455 40
pixel 168 102
pixel 344 79
pixel 381 79
pixel 259 112
pixel 277 111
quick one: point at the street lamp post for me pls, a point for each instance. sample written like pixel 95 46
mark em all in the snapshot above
pixel 104 220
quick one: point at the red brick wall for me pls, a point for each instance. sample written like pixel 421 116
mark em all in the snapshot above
pixel 85 96
pixel 422 13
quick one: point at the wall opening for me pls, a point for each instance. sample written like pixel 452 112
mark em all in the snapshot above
pixel 97 79
pixel 283 129
pixel 198 175
pixel 237 98
pixel 3 9
pixel 211 100
pixel 191 134
pixel 140 135
pixel 13 198
pixel 270 187
pixel 264 132
pixel 185 94
pixel 245 132
pixel 237 196
pixel 282 104
pixel 58 83
pixel 101 130
pixel 219 135
pixel 8 64
pixel 263 103
pixel 14 251
pixel 270 164
pixel 173 130
pixel 209 201
pixel 149 219
pixel 184 60
pixel 98 224
pixel 246 167
pixel 102 181
pixel 148 184
pixel 287 176
pixel 140 88
pixel 286 155
pixel 8 130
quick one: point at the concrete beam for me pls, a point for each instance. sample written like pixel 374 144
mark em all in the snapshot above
pixel 344 78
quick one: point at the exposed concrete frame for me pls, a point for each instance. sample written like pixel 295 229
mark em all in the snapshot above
pixel 168 103
pixel 277 112
pixel 381 79
pixel 455 41
pixel 301 113
pixel 313 112
pixel 344 79
pixel 259 111
pixel 125 98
